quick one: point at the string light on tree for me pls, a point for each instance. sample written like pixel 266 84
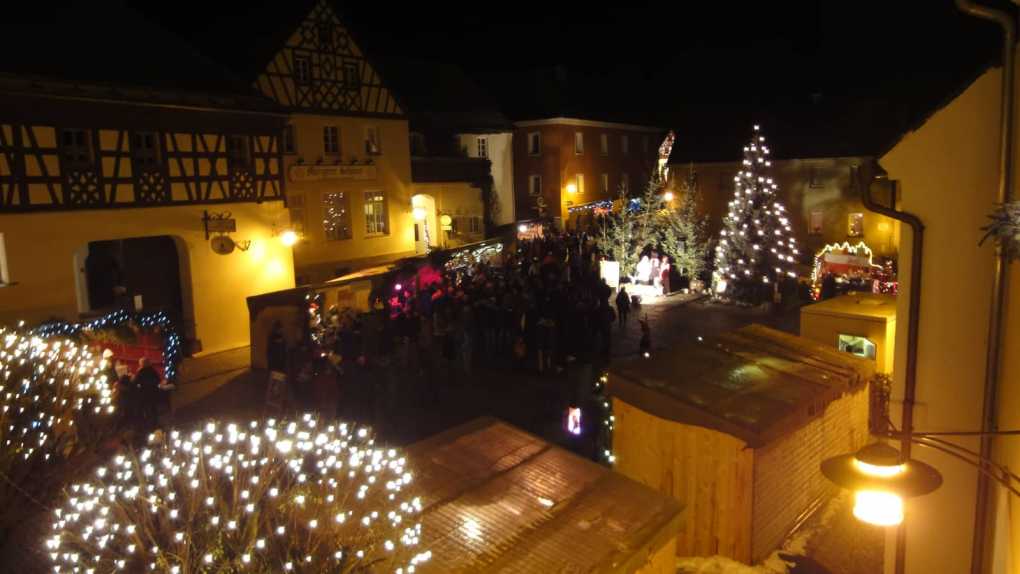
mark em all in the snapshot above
pixel 756 248
pixel 55 404
pixel 267 496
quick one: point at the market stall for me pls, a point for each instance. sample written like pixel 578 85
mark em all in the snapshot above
pixel 735 428
pixel 841 267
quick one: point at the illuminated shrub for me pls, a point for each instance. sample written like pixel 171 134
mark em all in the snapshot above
pixel 54 407
pixel 288 496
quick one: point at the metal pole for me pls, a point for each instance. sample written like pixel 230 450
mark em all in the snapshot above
pixel 913 321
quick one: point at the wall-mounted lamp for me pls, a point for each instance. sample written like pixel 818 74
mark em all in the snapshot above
pixel 668 196
pixel 571 188
pixel 289 237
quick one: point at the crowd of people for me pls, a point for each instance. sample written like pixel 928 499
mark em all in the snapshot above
pixel 139 395
pixel 539 306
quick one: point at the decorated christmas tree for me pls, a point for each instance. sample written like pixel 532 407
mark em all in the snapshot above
pixel 756 249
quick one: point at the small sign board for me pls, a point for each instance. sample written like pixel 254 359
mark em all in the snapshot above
pixel 321 172
pixel 610 271
pixel 276 392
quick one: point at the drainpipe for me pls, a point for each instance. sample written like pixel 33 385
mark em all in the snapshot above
pixel 1000 284
pixel 914 317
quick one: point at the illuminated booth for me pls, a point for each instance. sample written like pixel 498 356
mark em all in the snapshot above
pixel 863 324
pixel 852 268
pixel 130 335
pixel 497 499
pixel 303 312
pixel 735 427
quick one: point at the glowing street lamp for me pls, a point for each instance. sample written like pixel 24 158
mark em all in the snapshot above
pixel 881 479
pixel 668 196
pixel 289 238
pixel 571 188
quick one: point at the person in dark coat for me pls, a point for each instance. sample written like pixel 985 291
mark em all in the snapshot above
pixel 622 306
pixel 146 383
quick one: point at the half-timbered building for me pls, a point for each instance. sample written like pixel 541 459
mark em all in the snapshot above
pixel 120 172
pixel 345 148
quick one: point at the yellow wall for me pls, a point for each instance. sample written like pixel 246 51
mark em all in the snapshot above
pixel 947 171
pixel 456 199
pixel 316 258
pixel 40 260
pixel 826 328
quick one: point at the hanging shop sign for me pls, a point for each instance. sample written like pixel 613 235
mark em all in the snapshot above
pixel 324 172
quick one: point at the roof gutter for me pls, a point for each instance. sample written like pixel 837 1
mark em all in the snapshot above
pixel 993 359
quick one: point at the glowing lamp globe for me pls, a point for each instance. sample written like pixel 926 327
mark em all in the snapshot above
pixel 289 238
pixel 418 213
pixel 881 479
pixel 522 228
pixel 571 188
pixel 668 196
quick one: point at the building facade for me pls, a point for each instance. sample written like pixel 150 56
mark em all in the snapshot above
pixel 498 148
pixel 825 193
pixel 565 162
pixel 346 155
pixel 106 194
pixel 947 174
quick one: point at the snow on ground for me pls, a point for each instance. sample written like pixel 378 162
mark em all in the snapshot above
pixel 795 545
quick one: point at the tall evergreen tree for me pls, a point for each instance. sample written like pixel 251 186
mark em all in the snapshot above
pixel 683 231
pixel 756 249
pixel 619 239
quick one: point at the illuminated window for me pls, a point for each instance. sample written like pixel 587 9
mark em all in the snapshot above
pixel 483 147
pixel 534 143
pixel 580 183
pixel 145 151
pixel 76 149
pixel 238 151
pixel 578 143
pixel 604 144
pixel 625 144
pixel 302 69
pixel 336 215
pixel 855 345
pixel 535 185
pixel 817 219
pixel 375 213
pixel 289 145
pixel 331 140
pixel 605 184
pixel 373 144
pixel 855 224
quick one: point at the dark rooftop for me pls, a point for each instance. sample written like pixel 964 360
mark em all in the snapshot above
pixel 755 383
pixel 109 50
pixel 497 499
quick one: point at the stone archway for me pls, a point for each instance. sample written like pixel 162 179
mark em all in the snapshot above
pixel 428 204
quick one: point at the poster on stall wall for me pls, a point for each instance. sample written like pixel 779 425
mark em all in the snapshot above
pixel 610 271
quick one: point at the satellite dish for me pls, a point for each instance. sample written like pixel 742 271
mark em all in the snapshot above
pixel 222 244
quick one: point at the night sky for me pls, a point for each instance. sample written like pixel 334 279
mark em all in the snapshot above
pixel 823 78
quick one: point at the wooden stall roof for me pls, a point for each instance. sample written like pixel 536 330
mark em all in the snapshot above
pixel 755 383
pixel 856 306
pixel 497 499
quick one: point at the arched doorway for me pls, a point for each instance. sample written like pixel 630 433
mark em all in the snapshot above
pixel 121 273
pixel 429 226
